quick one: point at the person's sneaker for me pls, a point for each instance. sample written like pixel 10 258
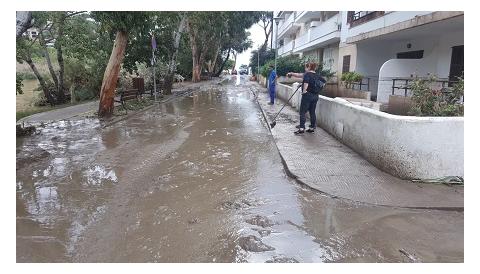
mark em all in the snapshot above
pixel 299 131
pixel 270 103
pixel 310 130
pixel 298 126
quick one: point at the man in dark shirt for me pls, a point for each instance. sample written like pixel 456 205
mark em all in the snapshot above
pixel 309 96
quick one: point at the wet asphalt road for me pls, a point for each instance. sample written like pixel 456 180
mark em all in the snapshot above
pixel 199 179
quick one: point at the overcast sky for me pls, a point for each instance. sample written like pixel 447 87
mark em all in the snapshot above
pixel 258 37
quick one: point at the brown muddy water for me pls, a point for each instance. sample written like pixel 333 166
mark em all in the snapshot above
pixel 199 180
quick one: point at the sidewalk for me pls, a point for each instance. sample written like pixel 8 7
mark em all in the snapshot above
pixel 323 163
pixel 61 114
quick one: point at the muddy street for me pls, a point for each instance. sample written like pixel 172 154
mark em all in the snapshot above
pixel 199 179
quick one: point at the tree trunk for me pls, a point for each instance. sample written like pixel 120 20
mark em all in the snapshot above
pixel 173 60
pixel 196 71
pixel 24 19
pixel 235 59
pixel 58 45
pixel 110 77
pixel 213 62
pixel 196 65
pixel 49 61
pixel 223 64
pixel 40 79
pixel 198 59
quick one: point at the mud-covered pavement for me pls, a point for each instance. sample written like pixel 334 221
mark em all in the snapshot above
pixel 199 179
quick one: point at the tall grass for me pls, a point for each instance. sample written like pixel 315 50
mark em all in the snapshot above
pixel 26 72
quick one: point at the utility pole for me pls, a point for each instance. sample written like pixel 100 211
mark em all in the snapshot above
pixel 277 20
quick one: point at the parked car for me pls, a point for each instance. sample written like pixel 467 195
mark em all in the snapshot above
pixel 234 72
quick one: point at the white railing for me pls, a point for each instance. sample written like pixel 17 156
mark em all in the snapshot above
pixel 281 50
pixel 286 24
pixel 327 27
pixel 315 34
pixel 300 14
pixel 288 47
pixel 302 40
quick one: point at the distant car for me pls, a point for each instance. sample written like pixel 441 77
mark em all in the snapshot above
pixel 234 72
pixel 243 70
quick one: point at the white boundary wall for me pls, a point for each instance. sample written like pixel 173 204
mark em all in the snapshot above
pixel 407 147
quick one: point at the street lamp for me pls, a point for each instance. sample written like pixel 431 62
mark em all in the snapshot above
pixel 277 20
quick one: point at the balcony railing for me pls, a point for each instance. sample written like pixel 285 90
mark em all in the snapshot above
pixel 288 47
pixel 360 17
pixel 325 28
pixel 316 33
pixel 359 14
pixel 404 84
pixel 287 23
pixel 302 40
pixel 300 14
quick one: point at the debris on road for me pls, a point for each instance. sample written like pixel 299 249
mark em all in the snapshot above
pixel 254 244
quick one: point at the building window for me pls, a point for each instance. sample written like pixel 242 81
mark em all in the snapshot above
pixel 346 64
pixel 417 54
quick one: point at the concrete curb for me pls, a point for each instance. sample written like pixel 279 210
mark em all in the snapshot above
pixel 294 176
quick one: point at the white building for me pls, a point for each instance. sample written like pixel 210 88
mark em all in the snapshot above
pixel 310 33
pixel 387 48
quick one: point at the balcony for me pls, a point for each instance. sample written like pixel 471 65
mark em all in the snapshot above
pixel 286 49
pixel 288 26
pixel 302 40
pixel 305 16
pixel 326 33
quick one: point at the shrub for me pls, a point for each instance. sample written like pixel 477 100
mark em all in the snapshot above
pixel 82 94
pixel 428 100
pixel 84 78
pixel 161 70
pixel 39 99
pixel 293 63
pixel 76 73
pixel 27 75
pixel 284 65
pixel 349 78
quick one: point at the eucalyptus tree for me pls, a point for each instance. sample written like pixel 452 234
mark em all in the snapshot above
pixel 213 33
pixel 25 49
pixel 266 22
pixel 122 24
pixel 51 30
pixel 236 39
pixel 205 30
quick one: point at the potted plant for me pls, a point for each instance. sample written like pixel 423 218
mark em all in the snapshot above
pixel 350 78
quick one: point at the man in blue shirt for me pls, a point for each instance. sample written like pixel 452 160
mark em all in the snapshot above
pixel 271 84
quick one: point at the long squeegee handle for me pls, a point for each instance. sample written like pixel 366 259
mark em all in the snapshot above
pixel 274 118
